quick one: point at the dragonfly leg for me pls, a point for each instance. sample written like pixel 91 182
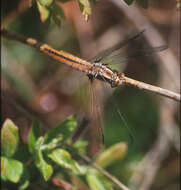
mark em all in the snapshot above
pixel 91 77
pixel 113 85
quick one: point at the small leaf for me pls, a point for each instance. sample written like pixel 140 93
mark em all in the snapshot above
pixel 57 14
pixel 112 154
pixel 63 158
pixel 9 138
pixel 24 183
pixel 96 181
pixel 95 1
pixel 64 1
pixel 178 4
pixel 45 168
pixel 12 169
pixel 34 134
pixel 128 2
pixel 65 128
pixel 3 169
pixel 57 10
pixel 44 12
pixel 143 3
pixel 85 8
pixel 45 3
pixel 80 146
pixel 57 20
pixel 30 3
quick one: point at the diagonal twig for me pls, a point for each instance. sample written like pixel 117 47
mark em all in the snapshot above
pixel 30 114
pixel 85 66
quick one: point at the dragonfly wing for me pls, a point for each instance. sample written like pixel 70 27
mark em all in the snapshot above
pixel 108 52
pixel 120 58
pixel 90 123
pixel 96 117
pixel 81 128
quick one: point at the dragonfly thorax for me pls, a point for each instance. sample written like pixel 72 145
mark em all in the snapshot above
pixel 97 69
pixel 102 72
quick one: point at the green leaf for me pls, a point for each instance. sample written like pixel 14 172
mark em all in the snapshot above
pixel 128 2
pixel 44 12
pixel 96 181
pixel 63 158
pixel 57 10
pixel 178 4
pixel 57 20
pixel 95 1
pixel 57 14
pixel 65 128
pixel 45 3
pixel 30 3
pixel 9 138
pixel 3 169
pixel 34 134
pixel 64 1
pixel 12 169
pixel 143 3
pixel 45 168
pixel 112 154
pixel 24 183
pixel 85 8
pixel 81 146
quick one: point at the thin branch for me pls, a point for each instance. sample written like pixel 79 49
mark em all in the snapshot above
pixel 30 114
pixel 155 89
pixel 167 59
pixel 86 66
pixel 10 17
pixel 104 172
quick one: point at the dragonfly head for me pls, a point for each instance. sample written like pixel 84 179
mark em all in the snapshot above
pixel 118 79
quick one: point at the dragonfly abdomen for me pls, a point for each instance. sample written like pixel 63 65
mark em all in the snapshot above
pixel 66 58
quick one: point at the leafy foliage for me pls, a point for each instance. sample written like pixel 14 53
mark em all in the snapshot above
pixel 49 151
pixel 178 3
pixel 49 9
pixel 143 3
pixel 85 8
pixel 9 138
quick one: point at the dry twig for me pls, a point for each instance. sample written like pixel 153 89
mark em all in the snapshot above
pixel 85 68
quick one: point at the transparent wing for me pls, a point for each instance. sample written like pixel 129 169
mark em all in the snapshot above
pixel 90 123
pixel 116 116
pixel 122 58
pixel 96 117
pixel 82 127
pixel 105 53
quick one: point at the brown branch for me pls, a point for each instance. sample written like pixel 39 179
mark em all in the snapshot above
pixel 10 17
pixel 155 89
pixel 104 172
pixel 30 114
pixel 154 38
pixel 123 79
pixel 62 184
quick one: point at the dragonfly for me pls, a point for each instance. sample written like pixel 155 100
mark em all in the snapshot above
pixel 96 68
pixel 101 60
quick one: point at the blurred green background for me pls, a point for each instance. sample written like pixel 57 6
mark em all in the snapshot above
pixel 53 91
